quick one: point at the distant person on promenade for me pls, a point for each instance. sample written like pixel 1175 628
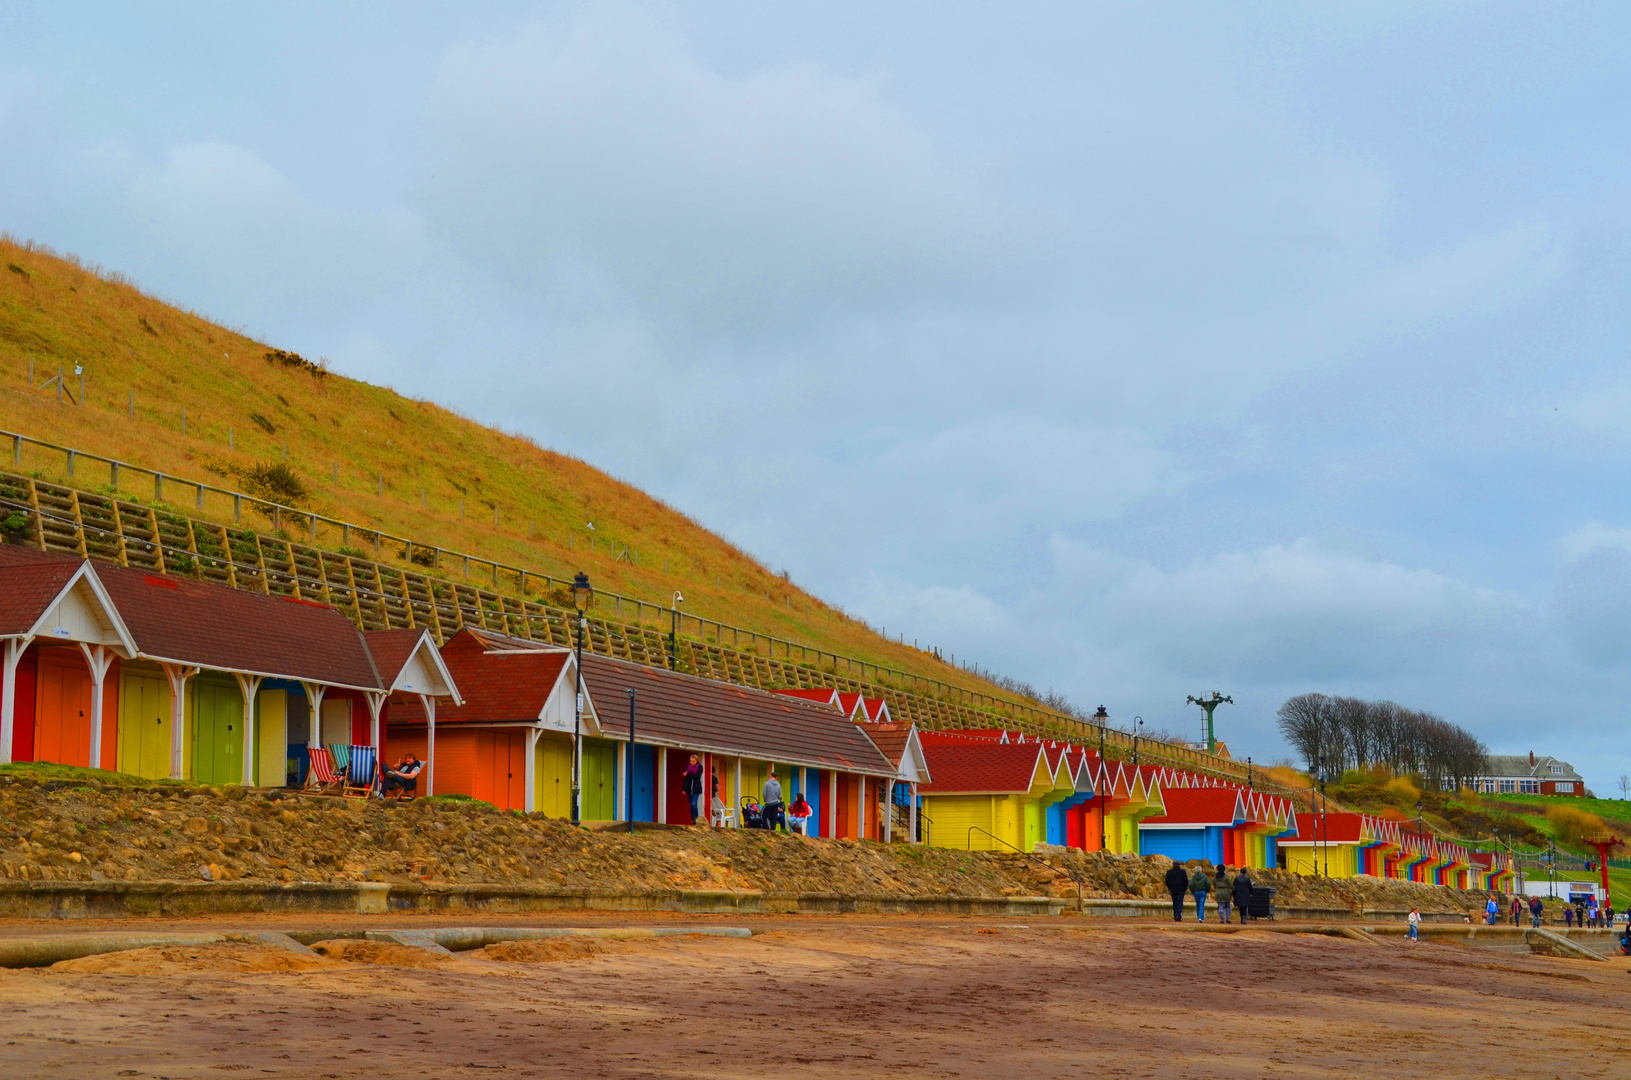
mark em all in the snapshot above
pixel 1177 887
pixel 1492 911
pixel 1535 909
pixel 1568 916
pixel 1517 911
pixel 1200 883
pixel 1243 894
pixel 1223 893
pixel 691 784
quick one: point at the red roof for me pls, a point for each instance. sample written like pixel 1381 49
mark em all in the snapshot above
pixel 1199 806
pixel 498 685
pixel 1329 828
pixel 27 587
pixel 392 649
pixel 824 697
pixel 979 765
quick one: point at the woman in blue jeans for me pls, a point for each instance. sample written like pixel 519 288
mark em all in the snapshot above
pixel 691 784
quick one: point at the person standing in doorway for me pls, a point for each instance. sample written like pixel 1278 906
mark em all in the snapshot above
pixel 1200 883
pixel 1177 887
pixel 1222 894
pixel 691 784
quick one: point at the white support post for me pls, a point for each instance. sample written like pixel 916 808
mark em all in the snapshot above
pixel 860 821
pixel 529 799
pixel 911 813
pixel 430 743
pixel 888 810
pixel 376 705
pixel 662 785
pixel 832 802
pixel 98 658
pixel 622 782
pixel 249 686
pixel 15 648
pixel 314 730
pixel 178 676
pixel 736 793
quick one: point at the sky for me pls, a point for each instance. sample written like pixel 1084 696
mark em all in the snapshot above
pixel 1135 351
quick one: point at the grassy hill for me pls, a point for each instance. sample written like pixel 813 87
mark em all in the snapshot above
pixel 444 476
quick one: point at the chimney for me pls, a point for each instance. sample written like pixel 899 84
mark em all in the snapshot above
pixel 1531 759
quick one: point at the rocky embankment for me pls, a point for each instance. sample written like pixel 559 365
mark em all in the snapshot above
pixel 76 831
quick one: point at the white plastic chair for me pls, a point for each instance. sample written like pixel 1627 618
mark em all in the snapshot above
pixel 722 816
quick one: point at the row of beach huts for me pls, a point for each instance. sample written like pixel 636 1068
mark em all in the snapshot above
pixel 166 677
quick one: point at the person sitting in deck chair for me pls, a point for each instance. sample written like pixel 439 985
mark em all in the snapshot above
pixel 404 775
pixel 798 815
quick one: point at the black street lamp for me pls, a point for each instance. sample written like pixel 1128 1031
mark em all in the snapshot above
pixel 674 631
pixel 1138 725
pixel 1249 785
pixel 1103 717
pixel 582 593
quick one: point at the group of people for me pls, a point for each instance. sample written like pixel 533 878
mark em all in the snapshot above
pixel 1584 913
pixel 1230 892
pixel 1520 906
pixel 773 812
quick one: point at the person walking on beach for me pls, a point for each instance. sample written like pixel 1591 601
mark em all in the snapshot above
pixel 1535 908
pixel 1415 922
pixel 691 784
pixel 1200 883
pixel 1243 894
pixel 1492 911
pixel 1177 888
pixel 1222 893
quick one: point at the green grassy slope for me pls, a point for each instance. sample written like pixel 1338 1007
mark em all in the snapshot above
pixel 56 312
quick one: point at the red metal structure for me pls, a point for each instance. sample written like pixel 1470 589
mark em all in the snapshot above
pixel 1604 846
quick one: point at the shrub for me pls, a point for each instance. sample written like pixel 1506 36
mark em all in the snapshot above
pixel 1402 790
pixel 1571 826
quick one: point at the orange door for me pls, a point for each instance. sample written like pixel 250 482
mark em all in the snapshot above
pixel 482 788
pixel 62 711
pixel 517 799
pixel 846 806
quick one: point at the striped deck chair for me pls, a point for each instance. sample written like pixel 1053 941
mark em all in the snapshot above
pixel 341 755
pixel 362 775
pixel 323 776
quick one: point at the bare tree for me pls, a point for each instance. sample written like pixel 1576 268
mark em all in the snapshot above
pixel 1625 786
pixel 1333 732
pixel 1309 724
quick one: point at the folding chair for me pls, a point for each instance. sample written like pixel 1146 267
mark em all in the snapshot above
pixel 342 757
pixel 323 775
pixel 362 776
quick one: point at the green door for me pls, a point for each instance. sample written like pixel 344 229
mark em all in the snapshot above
pixel 600 784
pixel 218 734
pixel 144 723
pixel 1033 825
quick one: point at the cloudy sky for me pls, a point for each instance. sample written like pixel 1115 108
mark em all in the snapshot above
pixel 1135 351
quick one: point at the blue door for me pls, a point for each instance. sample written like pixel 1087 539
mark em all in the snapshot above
pixel 1176 844
pixel 814 778
pixel 645 783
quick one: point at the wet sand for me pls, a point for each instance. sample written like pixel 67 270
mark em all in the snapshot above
pixel 835 999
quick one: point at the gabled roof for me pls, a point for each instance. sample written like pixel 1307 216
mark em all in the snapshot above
pixel 1516 766
pixel 693 713
pixel 827 696
pixel 900 744
pixel 1343 828
pixel 57 598
pixel 500 685
pixel 408 661
pixel 983 766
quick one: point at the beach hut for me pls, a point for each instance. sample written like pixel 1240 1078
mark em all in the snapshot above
pixel 903 747
pixel 507 739
pixel 1198 823
pixel 1326 844
pixel 739 733
pixel 986 795
pixel 63 639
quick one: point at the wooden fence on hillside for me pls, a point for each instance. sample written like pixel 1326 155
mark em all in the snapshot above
pixel 376 595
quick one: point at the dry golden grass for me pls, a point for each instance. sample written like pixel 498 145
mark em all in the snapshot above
pixel 1571 826
pixel 56 311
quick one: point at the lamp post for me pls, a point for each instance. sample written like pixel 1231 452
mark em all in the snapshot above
pixel 674 630
pixel 628 781
pixel 1138 725
pixel 1250 786
pixel 1103 717
pixel 582 593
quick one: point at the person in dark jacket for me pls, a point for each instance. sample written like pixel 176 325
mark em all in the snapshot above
pixel 691 784
pixel 1243 894
pixel 1223 893
pixel 1178 886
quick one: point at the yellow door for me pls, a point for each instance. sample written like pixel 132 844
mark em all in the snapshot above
pixel 144 723
pixel 271 739
pixel 553 776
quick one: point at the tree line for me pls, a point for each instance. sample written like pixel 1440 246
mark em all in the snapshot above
pixel 1334 734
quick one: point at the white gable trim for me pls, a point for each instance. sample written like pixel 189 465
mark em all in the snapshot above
pixel 83 612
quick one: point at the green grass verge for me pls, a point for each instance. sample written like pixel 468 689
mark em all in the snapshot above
pixel 45 770
pixel 1619 809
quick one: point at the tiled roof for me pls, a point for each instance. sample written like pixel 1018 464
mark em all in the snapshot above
pixel 27 588
pixel 823 697
pixel 1329 829
pixel 1516 766
pixel 701 714
pixel 498 685
pixel 392 650
pixel 979 765
pixel 1200 806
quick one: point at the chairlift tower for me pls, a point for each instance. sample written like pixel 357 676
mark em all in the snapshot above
pixel 1210 704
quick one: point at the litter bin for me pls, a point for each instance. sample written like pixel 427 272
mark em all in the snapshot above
pixel 1262 902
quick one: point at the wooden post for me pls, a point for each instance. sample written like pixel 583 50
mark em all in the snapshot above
pixel 314 730
pixel 662 785
pixel 14 648
pixel 178 676
pixel 229 436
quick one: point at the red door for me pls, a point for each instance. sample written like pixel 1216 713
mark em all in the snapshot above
pixel 678 803
pixel 25 700
pixel 846 806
